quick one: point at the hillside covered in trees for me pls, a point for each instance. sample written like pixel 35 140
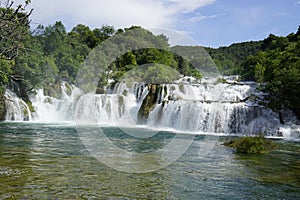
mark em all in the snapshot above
pixel 50 54
pixel 273 62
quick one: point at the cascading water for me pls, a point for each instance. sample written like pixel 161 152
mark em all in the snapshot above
pixel 16 108
pixel 119 106
pixel 214 108
pixel 224 108
pixel 51 109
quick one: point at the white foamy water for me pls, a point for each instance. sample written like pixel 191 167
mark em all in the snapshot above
pixel 205 107
pixel 16 108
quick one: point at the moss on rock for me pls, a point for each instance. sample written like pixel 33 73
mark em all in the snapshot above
pixel 149 102
pixel 100 90
pixel 68 89
pixel 30 106
pixel 53 90
pixel 251 145
pixel 121 105
pixel 2 106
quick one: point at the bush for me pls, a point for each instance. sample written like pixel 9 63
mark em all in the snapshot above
pixel 221 80
pixel 251 145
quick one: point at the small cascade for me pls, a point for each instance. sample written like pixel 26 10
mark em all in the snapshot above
pixel 105 109
pixel 51 109
pixel 291 132
pixel 16 108
pixel 119 106
pixel 139 90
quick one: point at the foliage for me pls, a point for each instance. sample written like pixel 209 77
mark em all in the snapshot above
pixel 2 105
pixel 195 61
pixel 278 66
pixel 14 23
pixel 251 145
pixel 274 62
pixel 13 27
pixel 5 71
pixel 221 80
pixel 229 59
pixel 130 64
pixel 151 73
pixel 149 56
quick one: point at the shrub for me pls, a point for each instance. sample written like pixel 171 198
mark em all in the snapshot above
pixel 251 145
pixel 221 80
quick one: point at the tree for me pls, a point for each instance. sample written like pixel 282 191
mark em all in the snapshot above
pixel 86 35
pixel 14 26
pixel 53 38
pixel 103 33
pixel 14 22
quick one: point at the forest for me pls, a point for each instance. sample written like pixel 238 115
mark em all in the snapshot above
pixel 41 57
pixel 274 63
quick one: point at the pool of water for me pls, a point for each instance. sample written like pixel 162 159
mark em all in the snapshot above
pixel 51 161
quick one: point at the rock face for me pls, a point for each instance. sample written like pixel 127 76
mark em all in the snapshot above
pixel 149 102
pixel 53 90
pixel 2 107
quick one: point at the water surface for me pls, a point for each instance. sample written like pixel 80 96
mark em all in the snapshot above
pixel 49 161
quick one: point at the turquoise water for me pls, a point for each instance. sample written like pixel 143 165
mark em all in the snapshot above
pixel 49 161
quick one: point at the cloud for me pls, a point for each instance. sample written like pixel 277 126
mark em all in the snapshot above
pixel 189 5
pixel 199 17
pixel 120 13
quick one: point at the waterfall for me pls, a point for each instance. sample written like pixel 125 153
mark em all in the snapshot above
pixel 119 106
pixel 16 108
pixel 187 105
pixel 213 108
pixel 223 118
pixel 51 109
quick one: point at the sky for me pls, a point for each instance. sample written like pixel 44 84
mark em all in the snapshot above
pixel 210 23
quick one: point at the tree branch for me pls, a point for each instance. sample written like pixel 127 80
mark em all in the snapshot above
pixel 13 27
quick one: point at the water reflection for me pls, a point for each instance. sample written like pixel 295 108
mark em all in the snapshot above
pixel 281 166
pixel 15 148
pixel 50 162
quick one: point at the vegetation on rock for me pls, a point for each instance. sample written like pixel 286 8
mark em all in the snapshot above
pixel 149 102
pixel 2 107
pixel 251 145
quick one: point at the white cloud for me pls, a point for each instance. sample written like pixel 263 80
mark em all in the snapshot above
pixel 189 5
pixel 199 17
pixel 120 13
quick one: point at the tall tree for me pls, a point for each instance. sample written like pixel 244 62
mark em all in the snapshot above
pixel 14 22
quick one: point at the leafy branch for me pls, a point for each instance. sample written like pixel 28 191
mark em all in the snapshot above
pixel 14 22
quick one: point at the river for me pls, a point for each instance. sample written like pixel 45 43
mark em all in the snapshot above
pixel 52 161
